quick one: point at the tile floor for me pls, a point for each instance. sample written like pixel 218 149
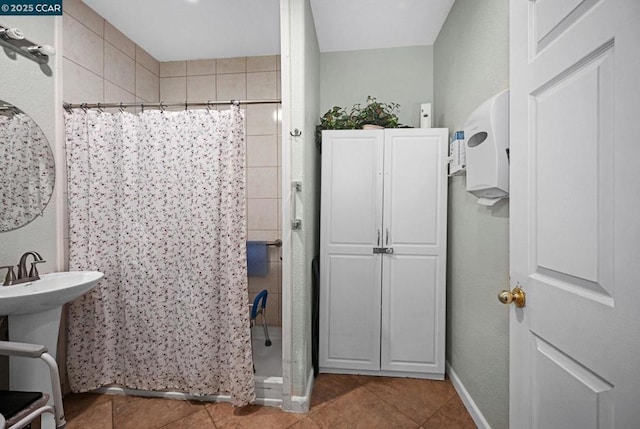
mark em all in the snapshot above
pixel 338 401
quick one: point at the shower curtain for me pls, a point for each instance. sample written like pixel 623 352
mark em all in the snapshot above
pixel 157 203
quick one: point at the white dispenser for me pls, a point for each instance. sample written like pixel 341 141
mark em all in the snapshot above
pixel 487 150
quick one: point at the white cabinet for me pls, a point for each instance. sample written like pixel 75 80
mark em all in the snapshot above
pixel 383 252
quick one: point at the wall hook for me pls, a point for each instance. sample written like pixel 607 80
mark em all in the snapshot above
pixel 295 133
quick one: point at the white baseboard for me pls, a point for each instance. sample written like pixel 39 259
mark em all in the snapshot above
pixel 301 404
pixel 467 400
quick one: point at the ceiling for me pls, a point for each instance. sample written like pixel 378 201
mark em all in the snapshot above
pixel 172 30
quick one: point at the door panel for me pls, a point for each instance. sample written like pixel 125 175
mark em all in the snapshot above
pixel 587 401
pixel 575 348
pixel 410 338
pixel 350 273
pixel 352 317
pixel 413 179
pixel 351 204
pixel 572 122
pixel 551 18
pixel 413 287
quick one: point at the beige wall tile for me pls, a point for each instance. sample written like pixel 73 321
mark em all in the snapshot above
pixel 80 85
pixel 279 182
pixel 231 65
pixel 119 40
pixel 201 88
pixel 85 15
pixel 173 89
pixel 264 63
pixel 279 150
pixel 262 213
pixel 115 94
pixel 261 119
pixel 279 206
pixel 146 60
pixel 173 68
pixel 232 86
pixel 262 182
pixel 262 151
pixel 261 86
pixel 263 234
pixel 279 85
pixel 82 45
pixel 119 68
pixel 269 282
pixel 147 84
pixel 201 67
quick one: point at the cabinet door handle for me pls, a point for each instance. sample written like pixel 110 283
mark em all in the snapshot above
pixel 378 242
pixel 386 240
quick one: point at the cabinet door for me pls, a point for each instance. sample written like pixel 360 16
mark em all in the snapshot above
pixel 350 277
pixel 415 226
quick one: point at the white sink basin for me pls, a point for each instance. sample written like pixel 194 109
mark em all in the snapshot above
pixel 51 291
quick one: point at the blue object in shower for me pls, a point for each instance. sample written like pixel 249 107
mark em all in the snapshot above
pixel 257 258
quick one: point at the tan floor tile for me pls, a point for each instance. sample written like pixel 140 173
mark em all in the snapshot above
pixel 220 410
pixel 453 415
pixel 305 423
pixel 94 416
pixel 255 416
pixel 136 413
pixel 77 403
pixel 329 387
pixel 417 399
pixel 199 420
pixel 361 409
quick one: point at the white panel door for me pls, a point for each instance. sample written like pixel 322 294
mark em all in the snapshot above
pixel 351 219
pixel 575 199
pixel 415 227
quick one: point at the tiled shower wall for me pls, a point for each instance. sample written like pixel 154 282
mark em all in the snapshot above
pixel 102 65
pixel 244 78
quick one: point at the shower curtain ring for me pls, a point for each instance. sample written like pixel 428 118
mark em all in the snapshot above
pixel 142 107
pixel 162 106
pixel 121 108
pixel 208 104
pixel 100 109
pixel 185 106
pixel 84 107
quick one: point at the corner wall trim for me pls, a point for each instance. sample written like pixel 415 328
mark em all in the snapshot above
pixel 300 404
pixel 467 400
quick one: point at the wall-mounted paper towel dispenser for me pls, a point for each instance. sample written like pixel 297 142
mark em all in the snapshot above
pixel 487 150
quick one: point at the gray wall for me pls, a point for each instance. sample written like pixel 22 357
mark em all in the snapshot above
pixel 399 75
pixel 472 64
pixel 33 89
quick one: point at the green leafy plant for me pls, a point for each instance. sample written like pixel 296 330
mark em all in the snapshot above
pixel 375 113
pixel 384 115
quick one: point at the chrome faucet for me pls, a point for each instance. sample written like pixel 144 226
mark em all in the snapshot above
pixel 23 276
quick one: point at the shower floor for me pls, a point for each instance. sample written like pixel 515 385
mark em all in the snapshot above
pixel 267 360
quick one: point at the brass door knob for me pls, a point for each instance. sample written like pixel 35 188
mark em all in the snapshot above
pixel 517 296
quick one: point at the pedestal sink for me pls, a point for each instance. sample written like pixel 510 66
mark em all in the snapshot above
pixel 34 310
pixel 51 291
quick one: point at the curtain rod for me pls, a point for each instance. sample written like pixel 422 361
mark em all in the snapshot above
pixel 162 105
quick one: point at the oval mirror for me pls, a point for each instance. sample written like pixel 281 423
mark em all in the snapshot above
pixel 27 168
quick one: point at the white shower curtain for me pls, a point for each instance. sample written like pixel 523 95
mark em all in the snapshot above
pixel 157 203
